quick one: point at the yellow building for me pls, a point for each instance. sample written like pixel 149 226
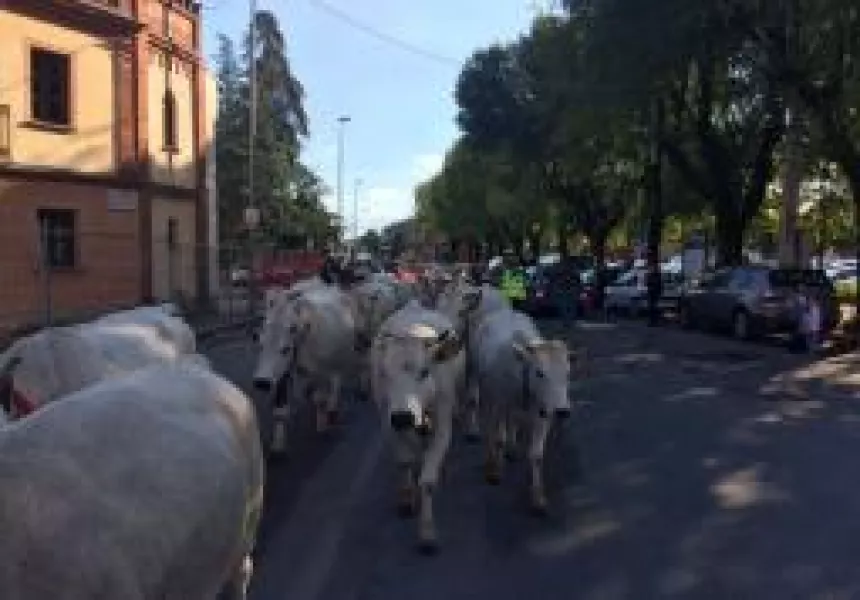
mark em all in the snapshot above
pixel 106 118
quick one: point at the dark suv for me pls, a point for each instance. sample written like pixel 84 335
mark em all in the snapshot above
pixel 754 300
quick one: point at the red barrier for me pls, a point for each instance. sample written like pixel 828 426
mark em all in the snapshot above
pixel 286 267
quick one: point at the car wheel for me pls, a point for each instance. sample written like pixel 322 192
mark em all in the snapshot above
pixel 741 326
pixel 685 316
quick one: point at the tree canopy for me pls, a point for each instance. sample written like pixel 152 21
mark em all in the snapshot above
pixel 287 192
pixel 623 116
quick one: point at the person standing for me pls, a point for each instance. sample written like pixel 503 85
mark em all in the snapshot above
pixel 812 319
pixel 513 284
pixel 566 289
pixel 330 272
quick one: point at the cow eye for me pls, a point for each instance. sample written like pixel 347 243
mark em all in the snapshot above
pixel 424 373
pixel 540 374
pixel 285 351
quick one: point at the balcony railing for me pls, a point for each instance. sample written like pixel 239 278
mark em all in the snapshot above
pixel 5 132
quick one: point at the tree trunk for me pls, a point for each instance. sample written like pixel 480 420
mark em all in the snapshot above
pixel 598 251
pixel 655 212
pixel 519 243
pixel 852 171
pixel 730 236
pixel 535 243
pixel 563 246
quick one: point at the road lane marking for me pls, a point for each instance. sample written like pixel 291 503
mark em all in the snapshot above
pixel 320 558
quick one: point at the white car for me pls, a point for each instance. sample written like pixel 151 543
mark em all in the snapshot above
pixel 628 293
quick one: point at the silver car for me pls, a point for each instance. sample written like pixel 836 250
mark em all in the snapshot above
pixel 753 300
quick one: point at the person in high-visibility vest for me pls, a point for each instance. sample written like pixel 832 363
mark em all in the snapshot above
pixel 513 283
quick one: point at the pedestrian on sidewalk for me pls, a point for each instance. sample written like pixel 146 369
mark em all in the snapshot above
pixel 799 340
pixel 812 321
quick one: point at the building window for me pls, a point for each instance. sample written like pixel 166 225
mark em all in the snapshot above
pixel 57 231
pixel 170 141
pixel 50 86
pixel 5 131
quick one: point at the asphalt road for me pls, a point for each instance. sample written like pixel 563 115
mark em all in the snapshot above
pixel 691 469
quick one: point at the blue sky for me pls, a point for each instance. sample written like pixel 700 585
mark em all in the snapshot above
pixel 401 103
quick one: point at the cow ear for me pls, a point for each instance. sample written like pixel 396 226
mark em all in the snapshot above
pixel 447 346
pixel 521 351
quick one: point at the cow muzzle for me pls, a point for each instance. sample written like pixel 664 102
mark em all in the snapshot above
pixel 263 384
pixel 402 421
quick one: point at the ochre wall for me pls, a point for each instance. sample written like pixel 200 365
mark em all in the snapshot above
pixel 107 271
pixel 89 145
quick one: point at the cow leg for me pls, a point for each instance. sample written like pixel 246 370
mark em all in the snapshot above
pixel 473 428
pixel 332 406
pixel 496 436
pixel 429 479
pixel 405 452
pixel 240 579
pixel 281 413
pixel 514 437
pixel 320 403
pixel 537 445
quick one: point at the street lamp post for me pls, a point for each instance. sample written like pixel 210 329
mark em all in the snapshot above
pixel 358 183
pixel 342 121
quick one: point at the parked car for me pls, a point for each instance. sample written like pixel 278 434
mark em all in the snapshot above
pixel 628 294
pixel 539 298
pixel 542 281
pixel 588 293
pixel 753 300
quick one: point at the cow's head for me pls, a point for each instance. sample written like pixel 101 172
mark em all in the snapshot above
pixel 280 341
pixel 410 372
pixel 545 376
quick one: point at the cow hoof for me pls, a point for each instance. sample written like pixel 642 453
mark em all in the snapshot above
pixel 512 454
pixel 406 504
pixel 322 422
pixel 539 504
pixel 428 542
pixel 279 438
pixel 492 474
pixel 428 547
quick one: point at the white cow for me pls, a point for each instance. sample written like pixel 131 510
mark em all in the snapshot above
pixel 522 379
pixel 417 366
pixel 144 487
pixel 170 326
pixel 373 302
pixel 468 306
pixel 276 297
pixel 58 361
pixel 310 340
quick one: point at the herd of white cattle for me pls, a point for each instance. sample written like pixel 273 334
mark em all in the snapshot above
pixel 129 469
pixel 429 356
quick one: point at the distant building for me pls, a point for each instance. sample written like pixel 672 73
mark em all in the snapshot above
pixel 106 116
